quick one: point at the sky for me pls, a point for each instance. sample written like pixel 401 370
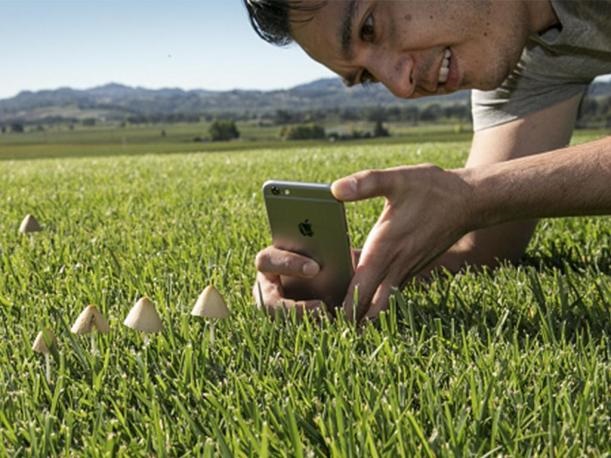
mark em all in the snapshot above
pixel 203 44
pixel 190 44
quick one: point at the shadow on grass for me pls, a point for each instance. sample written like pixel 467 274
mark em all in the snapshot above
pixel 552 307
pixel 567 264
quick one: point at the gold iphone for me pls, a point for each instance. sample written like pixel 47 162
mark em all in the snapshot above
pixel 305 218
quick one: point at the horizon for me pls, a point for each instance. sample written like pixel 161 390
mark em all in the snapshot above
pixel 602 78
pixel 115 83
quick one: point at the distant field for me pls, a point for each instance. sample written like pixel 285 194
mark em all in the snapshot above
pixel 179 138
pixel 510 362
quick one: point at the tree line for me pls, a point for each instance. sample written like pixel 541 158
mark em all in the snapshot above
pixel 594 112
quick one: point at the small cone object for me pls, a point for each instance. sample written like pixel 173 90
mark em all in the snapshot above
pixel 90 319
pixel 45 340
pixel 210 304
pixel 44 343
pixel 144 317
pixel 29 224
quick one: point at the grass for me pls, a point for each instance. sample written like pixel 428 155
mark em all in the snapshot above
pixel 109 140
pixel 510 362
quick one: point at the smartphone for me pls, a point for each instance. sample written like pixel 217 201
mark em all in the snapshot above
pixel 305 218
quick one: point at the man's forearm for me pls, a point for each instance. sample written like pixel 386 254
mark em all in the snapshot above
pixel 568 182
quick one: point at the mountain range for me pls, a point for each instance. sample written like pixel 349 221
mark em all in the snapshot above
pixel 116 102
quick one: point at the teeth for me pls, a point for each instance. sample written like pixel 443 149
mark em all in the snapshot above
pixel 443 75
pixel 445 66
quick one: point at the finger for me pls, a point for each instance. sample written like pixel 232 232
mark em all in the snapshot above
pixel 380 300
pixel 366 280
pixel 274 261
pixel 284 306
pixel 268 293
pixel 267 289
pixel 365 184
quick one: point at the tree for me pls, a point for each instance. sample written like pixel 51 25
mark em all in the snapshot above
pixel 376 114
pixel 303 132
pixel 379 130
pixel 283 117
pixel 431 113
pixel 456 111
pixel 604 107
pixel 3 129
pixel 349 114
pixel 17 128
pixel 588 107
pixel 588 110
pixel 411 113
pixel 223 130
pixel 393 113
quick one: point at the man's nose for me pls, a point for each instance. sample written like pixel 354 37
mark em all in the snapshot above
pixel 394 72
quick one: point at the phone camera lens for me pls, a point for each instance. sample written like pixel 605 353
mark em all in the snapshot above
pixel 275 190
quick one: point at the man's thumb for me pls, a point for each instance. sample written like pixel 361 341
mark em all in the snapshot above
pixel 361 185
pixel 345 189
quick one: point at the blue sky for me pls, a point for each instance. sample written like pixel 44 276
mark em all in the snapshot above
pixel 189 44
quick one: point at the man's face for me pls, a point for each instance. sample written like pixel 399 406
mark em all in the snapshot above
pixel 415 47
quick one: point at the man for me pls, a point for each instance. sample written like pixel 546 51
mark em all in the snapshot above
pixel 530 61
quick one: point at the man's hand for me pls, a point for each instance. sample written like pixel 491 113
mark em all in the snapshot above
pixel 271 263
pixel 427 209
pixel 267 290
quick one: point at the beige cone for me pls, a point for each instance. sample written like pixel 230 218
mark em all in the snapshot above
pixel 45 340
pixel 90 319
pixel 210 304
pixel 144 317
pixel 29 224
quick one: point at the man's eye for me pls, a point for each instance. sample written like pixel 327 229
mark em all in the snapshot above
pixel 367 32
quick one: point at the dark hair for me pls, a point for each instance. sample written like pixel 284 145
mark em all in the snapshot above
pixel 270 18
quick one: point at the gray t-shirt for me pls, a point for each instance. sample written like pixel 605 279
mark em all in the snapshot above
pixel 554 66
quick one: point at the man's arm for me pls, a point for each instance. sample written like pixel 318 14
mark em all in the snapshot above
pixel 573 181
pixel 545 130
pixel 428 209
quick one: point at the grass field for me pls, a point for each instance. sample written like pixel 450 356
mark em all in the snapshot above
pixel 513 362
pixel 60 142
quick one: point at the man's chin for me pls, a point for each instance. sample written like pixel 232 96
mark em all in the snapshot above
pixel 494 79
pixel 441 90
pixel 488 86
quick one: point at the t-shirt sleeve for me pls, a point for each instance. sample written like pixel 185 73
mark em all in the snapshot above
pixel 538 81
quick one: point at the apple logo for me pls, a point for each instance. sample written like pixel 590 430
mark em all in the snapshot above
pixel 306 228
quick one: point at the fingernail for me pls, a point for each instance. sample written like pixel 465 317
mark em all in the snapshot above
pixel 344 188
pixel 310 269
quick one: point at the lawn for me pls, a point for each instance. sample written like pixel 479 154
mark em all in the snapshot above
pixel 511 362
pixel 111 140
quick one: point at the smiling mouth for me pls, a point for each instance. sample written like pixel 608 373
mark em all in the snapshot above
pixel 444 70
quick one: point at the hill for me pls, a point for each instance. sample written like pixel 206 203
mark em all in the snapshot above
pixel 116 102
